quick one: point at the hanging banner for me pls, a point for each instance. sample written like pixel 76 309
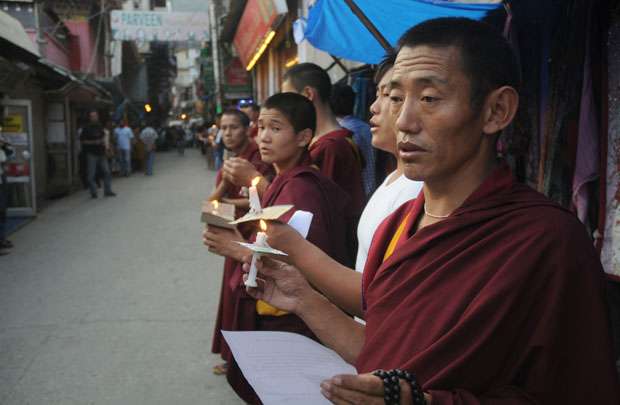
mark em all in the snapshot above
pixel 159 26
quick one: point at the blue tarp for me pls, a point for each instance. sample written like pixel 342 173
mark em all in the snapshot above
pixel 333 28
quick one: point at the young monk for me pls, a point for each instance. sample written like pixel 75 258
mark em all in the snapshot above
pixel 482 287
pixel 332 148
pixel 235 127
pixel 286 123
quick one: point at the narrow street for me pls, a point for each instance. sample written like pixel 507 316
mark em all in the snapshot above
pixel 113 301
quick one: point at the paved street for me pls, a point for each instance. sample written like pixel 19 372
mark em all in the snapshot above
pixel 112 301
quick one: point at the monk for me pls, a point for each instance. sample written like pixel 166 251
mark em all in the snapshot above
pixel 286 124
pixel 235 126
pixel 332 149
pixel 483 288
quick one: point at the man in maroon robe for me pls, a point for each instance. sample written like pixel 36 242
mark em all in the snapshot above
pixel 235 126
pixel 287 121
pixel 332 149
pixel 483 288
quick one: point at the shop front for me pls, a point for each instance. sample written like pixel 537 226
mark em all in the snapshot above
pixel 17 129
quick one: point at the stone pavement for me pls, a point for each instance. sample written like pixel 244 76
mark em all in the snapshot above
pixel 112 301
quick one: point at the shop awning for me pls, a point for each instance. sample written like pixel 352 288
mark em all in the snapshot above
pixel 334 28
pixel 11 30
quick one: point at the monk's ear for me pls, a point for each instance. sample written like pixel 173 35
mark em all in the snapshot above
pixel 310 93
pixel 499 109
pixel 304 137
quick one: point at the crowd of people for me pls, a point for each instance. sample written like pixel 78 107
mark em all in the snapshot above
pixel 468 287
pixel 108 149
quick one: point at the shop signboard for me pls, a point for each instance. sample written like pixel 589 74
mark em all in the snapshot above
pixel 13 123
pixel 237 80
pixel 256 21
pixel 208 75
pixel 159 26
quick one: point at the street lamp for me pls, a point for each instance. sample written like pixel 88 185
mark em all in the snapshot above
pixel 148 108
pixel 183 116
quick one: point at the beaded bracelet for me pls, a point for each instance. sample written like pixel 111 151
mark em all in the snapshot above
pixel 391 386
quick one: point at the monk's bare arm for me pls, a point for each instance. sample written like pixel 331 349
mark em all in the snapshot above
pixel 342 285
pixel 333 327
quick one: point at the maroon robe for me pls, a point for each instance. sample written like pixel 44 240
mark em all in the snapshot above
pixel 307 189
pixel 226 307
pixel 338 159
pixel 502 302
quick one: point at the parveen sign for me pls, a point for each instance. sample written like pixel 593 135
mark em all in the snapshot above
pixel 159 26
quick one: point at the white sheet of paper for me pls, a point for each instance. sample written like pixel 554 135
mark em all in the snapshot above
pixel 285 368
pixel 300 221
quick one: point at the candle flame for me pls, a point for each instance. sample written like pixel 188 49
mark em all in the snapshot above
pixel 263 225
pixel 255 181
pixel 215 203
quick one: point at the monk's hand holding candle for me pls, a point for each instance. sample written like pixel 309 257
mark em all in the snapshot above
pixel 283 237
pixel 279 284
pixel 223 242
pixel 239 172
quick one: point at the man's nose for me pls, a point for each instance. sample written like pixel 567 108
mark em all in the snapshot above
pixel 408 119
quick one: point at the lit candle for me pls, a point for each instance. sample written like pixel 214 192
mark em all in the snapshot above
pixel 216 205
pixel 255 207
pixel 261 240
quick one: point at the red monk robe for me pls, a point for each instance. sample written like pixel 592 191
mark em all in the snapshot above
pixel 226 307
pixel 308 190
pixel 339 160
pixel 502 302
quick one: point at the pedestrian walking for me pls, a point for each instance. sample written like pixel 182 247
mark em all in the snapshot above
pixel 93 145
pixel 6 152
pixel 215 134
pixel 124 136
pixel 148 137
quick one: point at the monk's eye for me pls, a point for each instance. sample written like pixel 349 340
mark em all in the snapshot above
pixel 276 129
pixel 429 99
pixel 261 128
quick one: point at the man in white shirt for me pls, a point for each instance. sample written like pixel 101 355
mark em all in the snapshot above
pixel 124 136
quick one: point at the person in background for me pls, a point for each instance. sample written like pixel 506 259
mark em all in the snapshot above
pixel 93 145
pixel 148 136
pixel 6 152
pixel 138 153
pixel 206 147
pixel 252 111
pixel 215 135
pixel 343 101
pixel 109 143
pixel 124 136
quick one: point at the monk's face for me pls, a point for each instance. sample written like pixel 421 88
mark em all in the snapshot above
pixel 382 122
pixel 278 142
pixel 439 134
pixel 234 134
